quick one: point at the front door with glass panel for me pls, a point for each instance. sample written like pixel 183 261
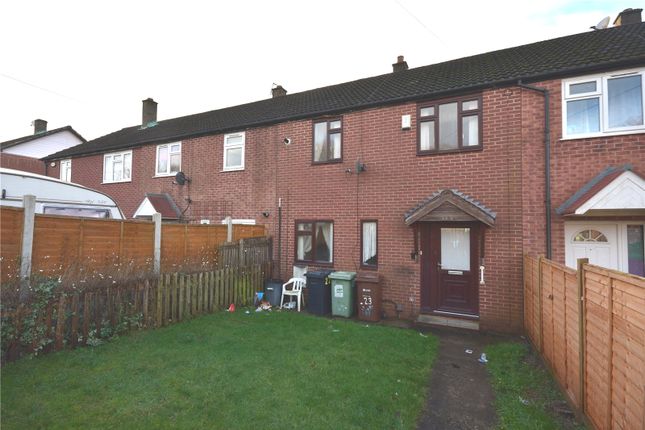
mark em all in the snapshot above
pixel 449 268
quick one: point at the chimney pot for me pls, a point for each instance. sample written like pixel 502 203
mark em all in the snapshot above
pixel 400 65
pixel 629 16
pixel 149 113
pixel 278 91
pixel 40 126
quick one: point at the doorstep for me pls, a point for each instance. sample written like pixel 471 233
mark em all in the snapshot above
pixel 448 321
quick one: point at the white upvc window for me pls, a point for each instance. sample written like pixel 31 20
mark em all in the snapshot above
pixel 66 170
pixel 168 159
pixel 117 167
pixel 234 151
pixel 602 105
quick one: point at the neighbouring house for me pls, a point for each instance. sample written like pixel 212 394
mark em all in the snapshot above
pixel 437 178
pixel 26 153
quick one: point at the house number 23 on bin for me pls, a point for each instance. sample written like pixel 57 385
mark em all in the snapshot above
pixel 338 290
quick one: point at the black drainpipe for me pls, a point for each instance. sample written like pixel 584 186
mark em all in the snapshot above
pixel 547 162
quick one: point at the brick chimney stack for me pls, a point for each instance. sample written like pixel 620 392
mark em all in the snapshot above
pixel 400 65
pixel 629 16
pixel 40 126
pixel 278 91
pixel 149 113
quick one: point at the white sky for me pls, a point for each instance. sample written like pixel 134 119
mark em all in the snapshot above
pixel 89 64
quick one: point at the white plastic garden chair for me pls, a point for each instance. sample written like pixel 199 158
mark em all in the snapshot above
pixel 293 287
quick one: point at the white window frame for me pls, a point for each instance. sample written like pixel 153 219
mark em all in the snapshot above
pixel 168 172
pixel 601 94
pixel 63 170
pixel 228 146
pixel 113 154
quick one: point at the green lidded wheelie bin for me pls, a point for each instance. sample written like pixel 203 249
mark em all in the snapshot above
pixel 343 293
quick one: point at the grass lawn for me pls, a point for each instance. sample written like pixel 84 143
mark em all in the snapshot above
pixel 260 370
pixel 526 396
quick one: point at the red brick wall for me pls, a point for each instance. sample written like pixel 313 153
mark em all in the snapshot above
pixel 574 162
pixel 19 162
pixel 507 176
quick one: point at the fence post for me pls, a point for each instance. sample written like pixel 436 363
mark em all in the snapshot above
pixel 229 229
pixel 610 350
pixel 29 214
pixel 581 332
pixel 539 285
pixel 156 217
pixel 241 259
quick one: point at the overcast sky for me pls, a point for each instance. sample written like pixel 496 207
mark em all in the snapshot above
pixel 89 64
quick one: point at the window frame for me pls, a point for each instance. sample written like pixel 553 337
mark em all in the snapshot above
pixel 122 154
pixel 169 172
pixel 460 115
pixel 363 264
pixel 227 146
pixel 67 161
pixel 313 241
pixel 330 131
pixel 602 94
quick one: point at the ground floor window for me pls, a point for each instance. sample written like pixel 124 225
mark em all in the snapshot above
pixel 611 244
pixel 314 241
pixel 369 255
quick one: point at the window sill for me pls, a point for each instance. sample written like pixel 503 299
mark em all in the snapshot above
pixel 116 182
pixel 451 151
pixel 314 263
pixel 236 169
pixel 168 175
pixel 322 163
pixel 601 135
pixel 365 267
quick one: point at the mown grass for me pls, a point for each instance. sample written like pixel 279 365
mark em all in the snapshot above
pixel 526 396
pixel 228 370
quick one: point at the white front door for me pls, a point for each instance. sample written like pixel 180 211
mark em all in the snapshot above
pixel 596 241
pixel 618 245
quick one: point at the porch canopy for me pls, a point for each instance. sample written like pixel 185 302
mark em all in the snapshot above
pixel 450 205
pixel 158 202
pixel 613 192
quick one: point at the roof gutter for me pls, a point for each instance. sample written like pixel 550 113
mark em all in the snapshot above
pixel 547 161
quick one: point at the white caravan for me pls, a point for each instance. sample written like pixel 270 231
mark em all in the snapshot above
pixel 55 197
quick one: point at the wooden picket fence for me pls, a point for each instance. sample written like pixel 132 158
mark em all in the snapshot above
pixel 589 327
pixel 71 319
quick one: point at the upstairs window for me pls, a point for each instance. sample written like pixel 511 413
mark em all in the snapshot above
pixel 234 151
pixel 603 104
pixel 117 167
pixel 315 241
pixel 66 170
pixel 450 125
pixel 327 141
pixel 168 159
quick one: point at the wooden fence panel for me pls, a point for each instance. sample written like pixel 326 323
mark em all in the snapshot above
pixel 137 246
pixel 57 244
pixel 602 373
pixel 11 220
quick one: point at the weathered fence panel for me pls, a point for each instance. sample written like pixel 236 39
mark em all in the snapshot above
pixel 68 319
pixel 589 326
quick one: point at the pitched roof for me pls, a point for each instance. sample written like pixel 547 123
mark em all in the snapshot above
pixel 456 198
pixel 591 188
pixel 18 141
pixel 159 202
pixel 610 48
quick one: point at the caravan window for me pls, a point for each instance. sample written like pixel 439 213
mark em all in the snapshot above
pixel 80 212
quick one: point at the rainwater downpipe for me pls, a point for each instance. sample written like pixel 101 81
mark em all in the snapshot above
pixel 547 162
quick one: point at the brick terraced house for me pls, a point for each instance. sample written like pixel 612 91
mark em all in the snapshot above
pixel 438 178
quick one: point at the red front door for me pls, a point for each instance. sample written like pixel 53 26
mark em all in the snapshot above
pixel 449 268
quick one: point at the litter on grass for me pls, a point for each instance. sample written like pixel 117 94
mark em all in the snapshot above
pixel 469 351
pixel 422 335
pixel 264 305
pixel 483 358
pixel 523 401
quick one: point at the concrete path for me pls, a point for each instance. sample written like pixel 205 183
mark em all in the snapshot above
pixel 460 394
